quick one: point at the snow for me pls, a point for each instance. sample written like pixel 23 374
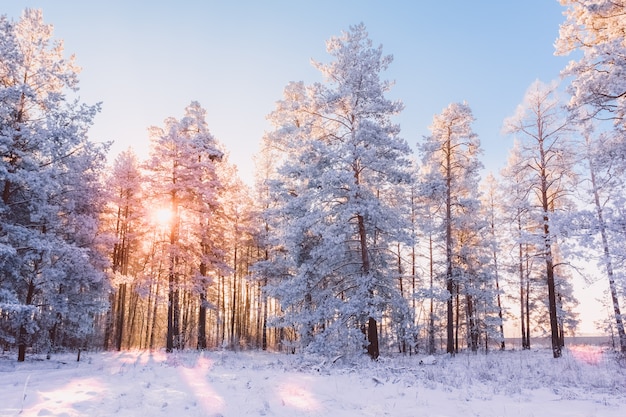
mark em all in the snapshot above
pixel 586 382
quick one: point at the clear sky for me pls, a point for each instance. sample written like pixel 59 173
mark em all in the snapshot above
pixel 147 60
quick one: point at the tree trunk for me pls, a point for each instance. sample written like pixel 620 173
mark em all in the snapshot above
pixel 608 261
pixel 202 345
pixel 521 289
pixel 528 306
pixel 450 348
pixel 169 344
pixel 499 300
pixel 372 338
pixel 109 321
pixel 431 321
pixel 372 330
pixel 146 341
pixel 154 316
pixel 121 311
pixel 233 303
pixel 554 321
pixel 23 335
pixel 457 323
pixel 222 309
pixel 474 334
pixel 264 325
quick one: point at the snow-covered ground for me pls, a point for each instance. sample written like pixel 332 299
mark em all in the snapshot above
pixel 585 382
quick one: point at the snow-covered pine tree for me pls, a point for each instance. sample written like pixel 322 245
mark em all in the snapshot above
pixel 182 171
pixel 125 222
pixel 51 277
pixel 451 177
pixel 516 214
pixel 596 28
pixel 492 210
pixel 331 226
pixel 604 233
pixel 548 158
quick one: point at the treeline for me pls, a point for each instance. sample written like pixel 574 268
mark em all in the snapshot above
pixel 345 244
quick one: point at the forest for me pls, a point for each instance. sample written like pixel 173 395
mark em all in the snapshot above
pixel 347 243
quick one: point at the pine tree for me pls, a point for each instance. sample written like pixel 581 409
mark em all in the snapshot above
pixel 332 228
pixel 517 209
pixel 492 210
pixel 182 168
pixel 51 196
pixel 126 224
pixel 450 156
pixel 548 158
pixel 606 189
pixel 596 28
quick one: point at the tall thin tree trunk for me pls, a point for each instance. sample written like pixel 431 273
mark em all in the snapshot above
pixel 500 315
pixel 450 348
pixel 608 260
pixel 110 321
pixel 222 308
pixel 474 334
pixel 527 304
pixel 264 325
pixel 23 333
pixel 154 316
pixel 169 344
pixel 121 311
pixel 457 323
pixel 372 330
pixel 233 303
pixel 146 341
pixel 431 318
pixel 202 343
pixel 554 321
pixel 521 289
pixel 132 319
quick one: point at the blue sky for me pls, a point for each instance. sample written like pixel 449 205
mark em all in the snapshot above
pixel 146 60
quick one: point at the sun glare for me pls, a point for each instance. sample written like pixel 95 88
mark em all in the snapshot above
pixel 162 216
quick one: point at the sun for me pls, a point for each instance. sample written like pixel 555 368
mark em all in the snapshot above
pixel 162 216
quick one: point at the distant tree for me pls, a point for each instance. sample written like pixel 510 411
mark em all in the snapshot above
pixel 547 156
pixel 332 228
pixel 493 213
pixel 51 271
pixel 450 154
pixel 126 220
pixel 517 209
pixel 267 162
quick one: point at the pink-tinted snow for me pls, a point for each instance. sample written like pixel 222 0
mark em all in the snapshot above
pixel 586 382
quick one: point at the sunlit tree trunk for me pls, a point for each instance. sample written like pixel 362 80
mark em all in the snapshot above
pixel 173 308
pixel 121 311
pixel 527 295
pixel 202 342
pixel 431 316
pixel 233 301
pixel 523 294
pixel 450 348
